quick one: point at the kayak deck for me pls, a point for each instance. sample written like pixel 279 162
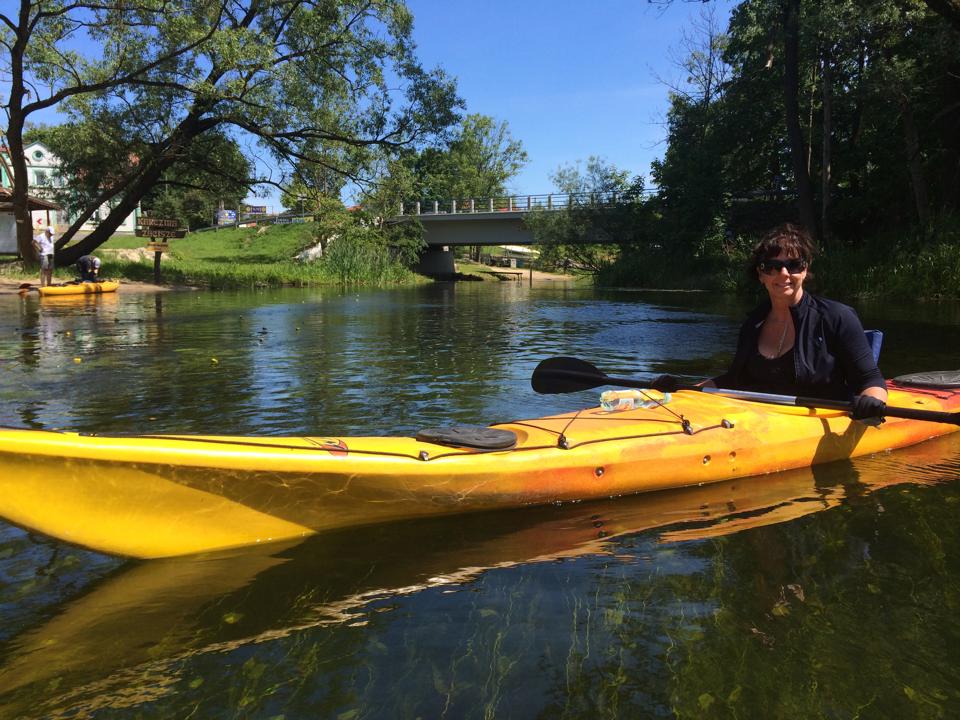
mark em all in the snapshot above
pixel 154 496
pixel 80 288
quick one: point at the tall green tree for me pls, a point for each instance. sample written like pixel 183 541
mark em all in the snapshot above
pixel 213 170
pixel 285 73
pixel 605 214
pixel 314 182
pixel 477 161
pixel 865 108
pixel 691 178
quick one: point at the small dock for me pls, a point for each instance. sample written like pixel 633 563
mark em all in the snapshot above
pixel 505 274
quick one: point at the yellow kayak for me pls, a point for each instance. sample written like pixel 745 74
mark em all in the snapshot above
pixel 80 288
pixel 152 496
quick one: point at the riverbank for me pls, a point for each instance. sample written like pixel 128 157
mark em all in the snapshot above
pixel 10 286
pixel 469 270
pixel 268 256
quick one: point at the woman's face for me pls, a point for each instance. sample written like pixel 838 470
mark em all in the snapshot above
pixel 783 277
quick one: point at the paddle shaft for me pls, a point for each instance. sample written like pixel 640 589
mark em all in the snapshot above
pixel 551 374
pixel 799 401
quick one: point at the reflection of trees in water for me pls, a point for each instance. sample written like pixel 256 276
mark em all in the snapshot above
pixel 389 362
pixel 848 612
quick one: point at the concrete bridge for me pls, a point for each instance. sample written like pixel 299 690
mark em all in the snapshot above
pixel 490 221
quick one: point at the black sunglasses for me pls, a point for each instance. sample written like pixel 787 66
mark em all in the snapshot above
pixel 794 266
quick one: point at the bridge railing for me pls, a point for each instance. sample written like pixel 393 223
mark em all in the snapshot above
pixel 517 203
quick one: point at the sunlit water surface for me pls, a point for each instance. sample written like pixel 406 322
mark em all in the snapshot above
pixel 829 593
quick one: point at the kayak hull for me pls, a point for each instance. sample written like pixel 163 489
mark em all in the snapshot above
pixel 82 288
pixel 157 496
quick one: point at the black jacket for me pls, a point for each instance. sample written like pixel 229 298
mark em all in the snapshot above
pixel 831 355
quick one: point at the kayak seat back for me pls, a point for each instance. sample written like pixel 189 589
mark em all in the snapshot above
pixel 875 340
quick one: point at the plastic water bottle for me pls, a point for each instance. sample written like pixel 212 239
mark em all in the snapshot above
pixel 618 400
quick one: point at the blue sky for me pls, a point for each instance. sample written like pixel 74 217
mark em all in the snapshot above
pixel 571 78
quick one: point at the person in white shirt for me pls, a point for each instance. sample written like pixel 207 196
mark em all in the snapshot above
pixel 44 246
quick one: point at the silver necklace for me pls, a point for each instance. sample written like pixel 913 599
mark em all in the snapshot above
pixel 783 337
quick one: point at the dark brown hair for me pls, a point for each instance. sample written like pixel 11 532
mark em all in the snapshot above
pixel 791 240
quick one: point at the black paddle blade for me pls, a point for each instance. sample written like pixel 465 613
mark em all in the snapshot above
pixel 564 375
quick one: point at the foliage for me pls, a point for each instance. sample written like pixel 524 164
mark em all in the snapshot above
pixel 690 178
pixel 587 234
pixel 314 182
pixel 93 157
pixel 879 106
pixel 294 76
pixel 477 161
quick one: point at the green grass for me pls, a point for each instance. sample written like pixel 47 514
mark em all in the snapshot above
pixel 249 257
pixel 276 243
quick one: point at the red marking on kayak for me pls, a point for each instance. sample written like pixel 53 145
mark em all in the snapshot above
pixel 334 446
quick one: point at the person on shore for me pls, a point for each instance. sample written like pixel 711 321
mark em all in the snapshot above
pixel 89 268
pixel 797 343
pixel 43 244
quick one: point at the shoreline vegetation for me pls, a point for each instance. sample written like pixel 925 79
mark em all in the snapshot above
pixel 894 265
pixel 653 252
pixel 247 258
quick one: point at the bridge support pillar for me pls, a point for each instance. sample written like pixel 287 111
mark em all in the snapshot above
pixel 436 261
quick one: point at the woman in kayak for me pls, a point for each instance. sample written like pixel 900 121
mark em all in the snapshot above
pixel 797 343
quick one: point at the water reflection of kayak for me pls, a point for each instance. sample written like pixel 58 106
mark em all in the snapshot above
pixel 148 619
pixel 153 495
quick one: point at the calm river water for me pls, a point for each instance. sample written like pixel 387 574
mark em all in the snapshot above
pixel 831 593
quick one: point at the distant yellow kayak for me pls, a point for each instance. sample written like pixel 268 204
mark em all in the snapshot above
pixel 152 496
pixel 80 288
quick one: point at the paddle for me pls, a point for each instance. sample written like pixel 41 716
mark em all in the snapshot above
pixel 567 374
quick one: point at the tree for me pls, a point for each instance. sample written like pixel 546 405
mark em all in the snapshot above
pixel 606 213
pixel 791 104
pixel 477 161
pixel 947 9
pixel 286 73
pixel 872 106
pixel 691 178
pixel 315 182
pixel 482 158
pixel 214 169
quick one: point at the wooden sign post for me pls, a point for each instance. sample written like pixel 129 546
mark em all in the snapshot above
pixel 159 230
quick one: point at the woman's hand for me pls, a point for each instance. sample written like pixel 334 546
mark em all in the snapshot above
pixel 867 406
